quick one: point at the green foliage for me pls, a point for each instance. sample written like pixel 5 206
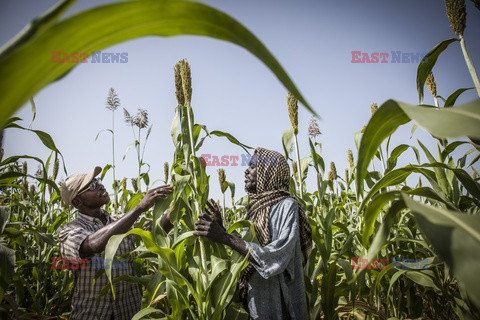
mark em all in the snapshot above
pixel 107 25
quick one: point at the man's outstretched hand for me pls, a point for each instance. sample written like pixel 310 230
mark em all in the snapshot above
pixel 153 195
pixel 207 227
pixel 214 211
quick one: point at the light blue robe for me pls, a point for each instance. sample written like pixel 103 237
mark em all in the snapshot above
pixel 279 268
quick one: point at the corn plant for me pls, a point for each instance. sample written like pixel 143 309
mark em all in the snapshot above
pixel 198 277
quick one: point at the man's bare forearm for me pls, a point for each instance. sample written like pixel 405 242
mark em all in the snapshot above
pixel 238 245
pixel 97 241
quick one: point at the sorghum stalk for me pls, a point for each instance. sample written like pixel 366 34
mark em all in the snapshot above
pixel 470 66
pixel 185 75
pixel 113 102
pixel 373 109
pixel 457 15
pixel 292 104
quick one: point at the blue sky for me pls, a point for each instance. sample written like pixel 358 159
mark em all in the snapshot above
pixel 234 92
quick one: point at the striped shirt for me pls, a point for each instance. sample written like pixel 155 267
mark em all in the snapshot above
pixel 85 294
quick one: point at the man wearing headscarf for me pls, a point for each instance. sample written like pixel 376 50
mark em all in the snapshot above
pixel 272 285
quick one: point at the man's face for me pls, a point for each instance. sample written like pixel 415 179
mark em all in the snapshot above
pixel 95 196
pixel 251 175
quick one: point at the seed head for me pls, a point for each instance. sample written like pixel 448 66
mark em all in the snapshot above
pixel 292 104
pixel 346 176
pixel 24 167
pixel 123 183
pixel 134 184
pixel 332 174
pixel 141 119
pixel 25 190
pixel 178 85
pixel 32 189
pixel 313 130
pixel 165 172
pixel 373 108
pixel 56 164
pixel 431 84
pixel 221 178
pixel 113 102
pixel 351 163
pixel 128 117
pixel 186 76
pixel 475 175
pixel 457 15
pixel 39 172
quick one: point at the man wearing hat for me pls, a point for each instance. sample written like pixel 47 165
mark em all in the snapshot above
pixel 87 236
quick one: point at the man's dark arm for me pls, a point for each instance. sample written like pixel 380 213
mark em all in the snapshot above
pixel 207 227
pixel 165 221
pixel 96 242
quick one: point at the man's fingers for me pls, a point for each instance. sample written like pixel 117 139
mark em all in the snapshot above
pixel 206 217
pixel 211 208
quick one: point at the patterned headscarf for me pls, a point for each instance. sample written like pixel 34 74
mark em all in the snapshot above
pixel 273 178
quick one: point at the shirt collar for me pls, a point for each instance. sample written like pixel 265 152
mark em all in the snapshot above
pixel 93 219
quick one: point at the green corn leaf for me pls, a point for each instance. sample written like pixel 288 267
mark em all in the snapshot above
pixel 422 279
pixel 177 297
pixel 144 312
pixel 318 162
pixel 4 217
pixel 456 238
pixel 382 124
pixel 450 148
pixel 424 68
pixel 230 138
pixel 7 265
pixel 287 140
pixel 110 24
pixel 462 120
pixel 459 121
pixel 397 152
pixel 441 177
pixel 453 97
pixel 114 242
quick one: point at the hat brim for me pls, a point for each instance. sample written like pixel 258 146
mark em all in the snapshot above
pixel 89 177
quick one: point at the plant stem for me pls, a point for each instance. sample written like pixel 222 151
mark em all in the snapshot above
pixel 139 161
pixel 115 189
pixel 471 67
pixel 203 256
pixel 299 167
